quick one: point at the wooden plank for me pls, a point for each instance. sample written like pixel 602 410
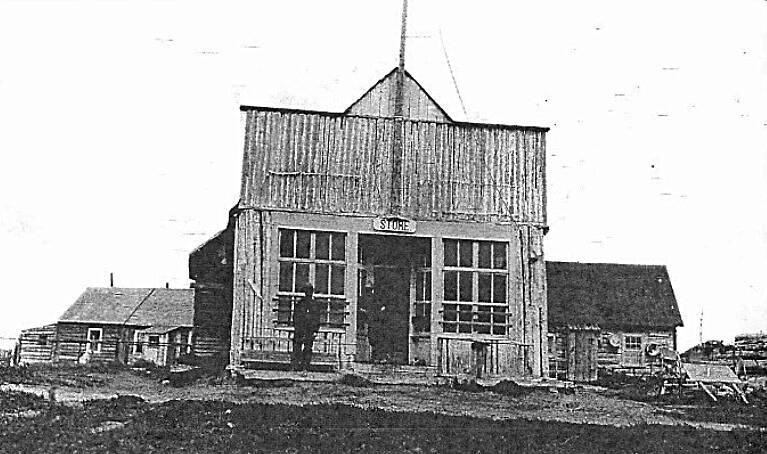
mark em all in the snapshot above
pixel 709 393
pixel 739 392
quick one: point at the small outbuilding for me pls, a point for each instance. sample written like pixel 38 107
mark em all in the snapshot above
pixel 609 316
pixel 35 345
pixel 126 324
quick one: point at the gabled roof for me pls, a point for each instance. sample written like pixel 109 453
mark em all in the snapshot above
pixel 105 305
pixel 165 308
pixel 379 100
pixel 612 296
pixel 114 305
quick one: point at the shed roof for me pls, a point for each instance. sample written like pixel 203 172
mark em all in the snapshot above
pixel 610 295
pixel 132 306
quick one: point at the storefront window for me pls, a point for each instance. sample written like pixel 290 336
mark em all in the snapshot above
pixel 318 258
pixel 475 287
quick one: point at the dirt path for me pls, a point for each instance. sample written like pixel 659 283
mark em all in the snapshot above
pixel 587 407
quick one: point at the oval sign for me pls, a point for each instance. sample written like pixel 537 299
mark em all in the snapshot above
pixel 394 224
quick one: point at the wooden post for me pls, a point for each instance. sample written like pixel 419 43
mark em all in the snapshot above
pixel 400 80
pixel 437 296
pixel 399 146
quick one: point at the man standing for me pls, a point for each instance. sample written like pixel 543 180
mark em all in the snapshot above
pixel 306 323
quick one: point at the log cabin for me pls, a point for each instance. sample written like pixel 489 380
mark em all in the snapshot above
pixel 36 345
pixel 422 235
pixel 609 317
pixel 126 324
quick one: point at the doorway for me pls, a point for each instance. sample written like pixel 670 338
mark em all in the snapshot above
pixel 386 295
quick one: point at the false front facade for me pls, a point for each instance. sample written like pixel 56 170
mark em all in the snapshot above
pixel 422 236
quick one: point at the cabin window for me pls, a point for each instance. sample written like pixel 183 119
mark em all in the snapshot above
pixel 316 257
pixel 43 339
pixel 154 341
pixel 475 287
pixel 632 350
pixel 94 339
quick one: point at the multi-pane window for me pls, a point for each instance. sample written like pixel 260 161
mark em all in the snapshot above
pixel 632 350
pixel 475 286
pixel 318 258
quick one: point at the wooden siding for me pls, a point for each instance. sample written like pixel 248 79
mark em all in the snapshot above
pixel 610 357
pixel 72 341
pixel 380 99
pixel 331 163
pixel 36 344
pixel 172 345
pixel 523 352
pixel 574 354
pixel 212 319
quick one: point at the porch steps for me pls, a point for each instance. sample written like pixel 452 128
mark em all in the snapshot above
pixel 393 374
pixel 273 378
pixel 280 361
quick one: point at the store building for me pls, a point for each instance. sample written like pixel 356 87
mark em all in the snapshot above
pixel 423 236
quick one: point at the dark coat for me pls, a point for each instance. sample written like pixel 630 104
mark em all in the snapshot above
pixel 307 315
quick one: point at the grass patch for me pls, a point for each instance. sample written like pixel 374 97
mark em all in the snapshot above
pixel 60 374
pixel 214 426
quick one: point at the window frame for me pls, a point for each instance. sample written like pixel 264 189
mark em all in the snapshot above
pixel 335 312
pixel 89 343
pixel 423 299
pixel 632 356
pixel 475 317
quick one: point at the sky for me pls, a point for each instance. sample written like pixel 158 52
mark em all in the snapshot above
pixel 121 138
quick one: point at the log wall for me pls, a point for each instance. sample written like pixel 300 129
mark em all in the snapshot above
pixel 72 341
pixel 36 345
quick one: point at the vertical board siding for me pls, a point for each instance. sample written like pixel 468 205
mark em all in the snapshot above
pixel 342 164
pixel 379 101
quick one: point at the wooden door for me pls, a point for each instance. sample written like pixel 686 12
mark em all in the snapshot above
pixel 582 355
pixel 389 315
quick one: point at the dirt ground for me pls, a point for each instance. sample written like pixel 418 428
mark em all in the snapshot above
pixel 587 406
pixel 590 418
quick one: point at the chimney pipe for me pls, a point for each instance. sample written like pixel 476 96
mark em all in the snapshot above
pixel 167 285
pixel 111 279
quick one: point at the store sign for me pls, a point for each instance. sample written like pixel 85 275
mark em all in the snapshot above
pixel 394 224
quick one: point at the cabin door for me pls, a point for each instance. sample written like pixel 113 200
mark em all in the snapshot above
pixel 582 355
